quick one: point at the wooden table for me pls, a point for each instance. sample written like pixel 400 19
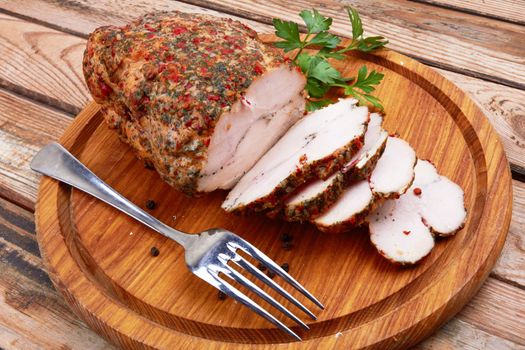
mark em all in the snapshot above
pixel 477 45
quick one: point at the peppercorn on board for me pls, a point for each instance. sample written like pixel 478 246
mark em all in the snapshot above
pixel 103 261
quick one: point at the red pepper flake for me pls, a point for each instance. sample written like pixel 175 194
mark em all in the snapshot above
pixel 303 159
pixel 204 70
pixel 174 77
pixel 406 232
pixel 179 30
pixel 213 98
pixel 181 45
pixel 150 35
pixel 245 101
pixel 207 142
pixel 417 191
pixel 149 28
pixel 227 51
pixel 258 69
pixel 105 89
pixel 196 41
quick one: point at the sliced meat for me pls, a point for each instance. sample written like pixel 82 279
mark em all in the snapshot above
pixel 314 198
pixel 366 159
pixel 315 147
pixel 394 170
pixel 350 210
pixel 441 201
pixel 402 229
pixel 201 98
pixel 398 233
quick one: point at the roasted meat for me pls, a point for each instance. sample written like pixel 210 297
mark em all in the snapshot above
pixel 200 98
pixel 317 146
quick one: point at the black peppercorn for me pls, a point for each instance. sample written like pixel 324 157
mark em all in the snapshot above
pixel 261 267
pixel 154 251
pixel 286 237
pixel 150 204
pixel 285 267
pixel 221 295
pixel 270 274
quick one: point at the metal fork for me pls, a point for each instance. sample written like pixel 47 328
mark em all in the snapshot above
pixel 207 254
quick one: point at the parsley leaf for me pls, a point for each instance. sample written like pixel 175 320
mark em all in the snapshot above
pixel 321 76
pixel 289 31
pixel 323 71
pixel 364 85
pixel 315 22
pixel 325 39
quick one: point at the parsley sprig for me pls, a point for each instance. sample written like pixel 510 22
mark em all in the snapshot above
pixel 320 74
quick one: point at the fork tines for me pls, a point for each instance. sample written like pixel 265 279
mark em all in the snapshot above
pixel 233 292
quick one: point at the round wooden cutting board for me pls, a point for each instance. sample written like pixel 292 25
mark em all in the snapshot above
pixel 100 260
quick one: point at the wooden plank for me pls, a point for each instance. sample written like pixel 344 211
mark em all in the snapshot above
pixel 504 106
pixel 42 63
pixel 508 10
pixel 455 41
pixel 498 309
pixel 25 127
pixel 511 264
pixel 32 314
pixel 81 17
pixel 458 334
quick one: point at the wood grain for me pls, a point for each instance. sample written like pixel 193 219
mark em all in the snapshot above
pixel 32 314
pixel 89 268
pixel 42 63
pixel 34 307
pixel 514 327
pixel 504 106
pixel 511 265
pixel 457 334
pixel 25 127
pixel 508 10
pixel 506 111
pixel 457 331
pixel 467 44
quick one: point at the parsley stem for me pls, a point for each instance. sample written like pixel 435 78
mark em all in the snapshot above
pixel 304 43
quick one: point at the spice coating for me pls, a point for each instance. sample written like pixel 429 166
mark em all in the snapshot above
pixel 165 79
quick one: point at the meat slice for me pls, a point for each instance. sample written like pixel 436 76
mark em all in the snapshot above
pixel 315 147
pixel 398 233
pixel 402 229
pixel 394 170
pixel 200 98
pixel 393 174
pixel 314 198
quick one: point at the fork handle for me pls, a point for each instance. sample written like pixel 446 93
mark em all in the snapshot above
pixel 55 161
